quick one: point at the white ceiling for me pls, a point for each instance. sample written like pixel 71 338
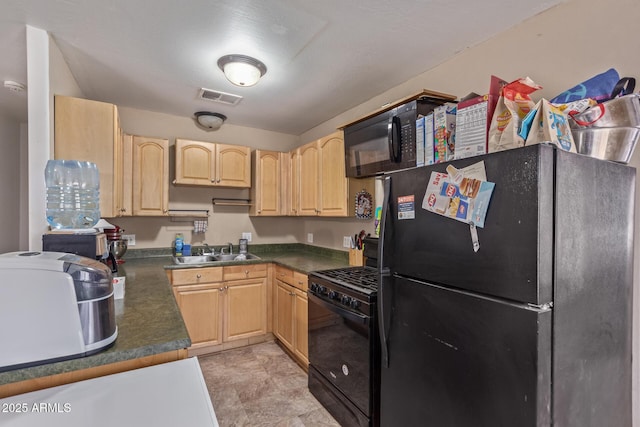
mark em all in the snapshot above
pixel 323 57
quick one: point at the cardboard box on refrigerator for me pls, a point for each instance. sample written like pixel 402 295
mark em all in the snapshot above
pixel 428 140
pixel 444 132
pixel 473 121
pixel 420 141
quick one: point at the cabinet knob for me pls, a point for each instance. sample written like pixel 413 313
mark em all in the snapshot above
pixel 213 180
pixel 199 276
pixel 246 272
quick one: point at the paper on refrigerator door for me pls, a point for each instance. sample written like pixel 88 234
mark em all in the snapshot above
pixel 461 196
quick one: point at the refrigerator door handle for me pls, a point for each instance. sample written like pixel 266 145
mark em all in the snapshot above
pixel 382 267
pixel 383 271
pixel 383 314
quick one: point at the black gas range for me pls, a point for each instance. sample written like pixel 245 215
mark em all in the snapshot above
pixel 351 287
pixel 344 349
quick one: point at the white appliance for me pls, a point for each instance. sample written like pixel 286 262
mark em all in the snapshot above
pixel 53 306
pixel 166 395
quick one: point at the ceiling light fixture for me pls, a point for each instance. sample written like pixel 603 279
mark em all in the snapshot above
pixel 210 121
pixel 242 70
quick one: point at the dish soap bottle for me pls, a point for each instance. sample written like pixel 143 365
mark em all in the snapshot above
pixel 178 244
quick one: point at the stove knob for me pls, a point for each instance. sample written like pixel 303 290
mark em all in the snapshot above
pixel 355 303
pixel 314 287
pixel 333 295
pixel 346 300
pixel 322 290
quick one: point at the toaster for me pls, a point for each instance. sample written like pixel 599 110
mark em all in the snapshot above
pixel 54 306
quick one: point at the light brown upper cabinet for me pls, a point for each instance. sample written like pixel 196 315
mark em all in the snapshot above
pixel 309 172
pixel 334 188
pixel 267 188
pixel 318 181
pixel 212 165
pixel 90 131
pixel 292 191
pixel 150 176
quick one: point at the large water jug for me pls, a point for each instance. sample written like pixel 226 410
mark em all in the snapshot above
pixel 73 194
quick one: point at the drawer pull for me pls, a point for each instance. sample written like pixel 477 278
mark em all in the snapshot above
pixel 199 276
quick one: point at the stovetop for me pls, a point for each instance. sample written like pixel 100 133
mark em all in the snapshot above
pixel 361 279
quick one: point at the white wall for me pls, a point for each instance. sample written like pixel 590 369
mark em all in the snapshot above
pixel 10 190
pixel 48 74
pixel 40 138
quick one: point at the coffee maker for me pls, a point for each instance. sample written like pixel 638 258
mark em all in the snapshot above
pixel 92 245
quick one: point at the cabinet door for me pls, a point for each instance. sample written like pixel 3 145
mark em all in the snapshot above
pixel 195 162
pixel 293 176
pixel 127 175
pixel 265 191
pixel 245 309
pixel 309 179
pixel 283 327
pixel 333 180
pixel 88 130
pixel 233 166
pixel 150 176
pixel 200 309
pixel 301 322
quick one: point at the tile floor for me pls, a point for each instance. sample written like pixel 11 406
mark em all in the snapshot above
pixel 260 385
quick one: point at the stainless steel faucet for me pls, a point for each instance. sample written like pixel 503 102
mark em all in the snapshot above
pixel 207 249
pixel 230 247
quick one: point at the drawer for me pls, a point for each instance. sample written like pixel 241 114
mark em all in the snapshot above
pixel 300 281
pixel 250 271
pixel 284 275
pixel 189 276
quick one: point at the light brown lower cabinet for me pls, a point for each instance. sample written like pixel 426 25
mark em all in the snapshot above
pixel 222 304
pixel 290 323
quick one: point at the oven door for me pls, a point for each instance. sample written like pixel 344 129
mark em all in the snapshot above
pixel 339 349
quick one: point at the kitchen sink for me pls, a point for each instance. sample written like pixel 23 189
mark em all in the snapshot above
pixel 231 257
pixel 204 259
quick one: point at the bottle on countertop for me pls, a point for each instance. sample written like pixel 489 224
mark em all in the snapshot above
pixel 73 194
pixel 243 246
pixel 178 244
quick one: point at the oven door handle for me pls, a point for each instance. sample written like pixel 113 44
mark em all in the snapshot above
pixel 355 317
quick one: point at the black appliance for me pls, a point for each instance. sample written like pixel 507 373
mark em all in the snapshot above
pixel 91 245
pixel 386 141
pixel 344 349
pixel 534 329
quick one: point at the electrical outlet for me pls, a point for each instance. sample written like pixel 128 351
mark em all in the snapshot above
pixel 130 238
pixel 309 237
pixel 346 241
pixel 246 236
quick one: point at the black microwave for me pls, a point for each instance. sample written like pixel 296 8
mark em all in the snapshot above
pixel 387 141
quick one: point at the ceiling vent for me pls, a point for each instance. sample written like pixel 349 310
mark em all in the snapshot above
pixel 217 96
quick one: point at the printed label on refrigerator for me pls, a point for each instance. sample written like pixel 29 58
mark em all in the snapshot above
pixel 406 207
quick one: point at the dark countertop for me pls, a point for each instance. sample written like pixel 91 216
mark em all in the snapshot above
pixel 148 318
pixel 296 256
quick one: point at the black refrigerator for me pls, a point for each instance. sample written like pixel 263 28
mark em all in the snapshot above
pixel 533 329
